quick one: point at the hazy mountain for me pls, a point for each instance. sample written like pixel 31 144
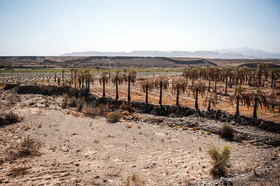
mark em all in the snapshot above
pixel 238 53
pixel 250 52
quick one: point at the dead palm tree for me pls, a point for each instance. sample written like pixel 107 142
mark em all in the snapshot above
pixel 211 99
pixel 261 70
pixel 196 89
pixel 117 79
pixel 161 82
pixel 239 96
pixel 210 75
pixel 129 77
pixel 147 85
pixel 104 78
pixel 88 77
pixel 216 75
pixel 257 98
pixel 228 71
pixel 179 85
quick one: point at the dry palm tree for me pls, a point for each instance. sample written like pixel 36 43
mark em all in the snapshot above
pixel 261 70
pixel 147 86
pixel 129 77
pixel 75 77
pixel 179 85
pixel 117 79
pixel 196 89
pixel 161 82
pixel 210 75
pixel 71 76
pixel 103 80
pixel 55 77
pixel 211 99
pixel 257 98
pixel 274 76
pixel 62 74
pixel 228 71
pixel 239 96
pixel 216 75
pixel 88 77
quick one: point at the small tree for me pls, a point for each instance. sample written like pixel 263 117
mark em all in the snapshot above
pixel 129 77
pixel 147 86
pixel 196 89
pixel 257 98
pixel 179 85
pixel 117 79
pixel 211 99
pixel 220 160
pixel 161 83
pixel 103 80
pixel 239 96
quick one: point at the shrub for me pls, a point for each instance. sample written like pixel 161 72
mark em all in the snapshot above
pixel 220 160
pixel 226 132
pixel 28 147
pixel 10 118
pixel 114 117
pixel 103 109
pixel 80 103
pixel 91 111
pixel 134 180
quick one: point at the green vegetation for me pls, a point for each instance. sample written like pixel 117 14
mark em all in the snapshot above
pixel 220 160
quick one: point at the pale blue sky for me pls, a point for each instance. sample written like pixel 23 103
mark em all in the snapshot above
pixel 54 27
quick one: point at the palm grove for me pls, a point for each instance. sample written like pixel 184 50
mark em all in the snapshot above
pixel 248 85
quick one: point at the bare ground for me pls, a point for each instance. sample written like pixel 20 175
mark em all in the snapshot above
pixel 86 151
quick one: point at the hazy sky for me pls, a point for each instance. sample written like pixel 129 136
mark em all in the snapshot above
pixel 54 27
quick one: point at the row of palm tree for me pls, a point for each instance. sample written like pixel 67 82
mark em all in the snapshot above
pixel 232 77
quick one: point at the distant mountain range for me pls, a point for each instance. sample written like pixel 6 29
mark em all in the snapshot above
pixel 238 53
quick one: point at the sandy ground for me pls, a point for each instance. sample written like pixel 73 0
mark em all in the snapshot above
pixel 79 150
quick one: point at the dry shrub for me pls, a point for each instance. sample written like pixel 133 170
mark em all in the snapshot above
pixel 220 160
pixel 91 111
pixel 103 109
pixel 114 117
pixel 64 101
pixel 79 104
pixel 29 147
pixel 125 113
pixel 10 118
pixel 127 107
pixel 226 132
pixel 134 180
pixel 20 170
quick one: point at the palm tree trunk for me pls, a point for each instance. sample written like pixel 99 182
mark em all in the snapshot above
pixel 209 106
pixel 117 91
pixel 255 108
pixel 196 99
pixel 237 106
pixel 128 91
pixel 226 85
pixel 160 93
pixel 177 97
pixel 215 85
pixel 147 101
pixel 103 88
